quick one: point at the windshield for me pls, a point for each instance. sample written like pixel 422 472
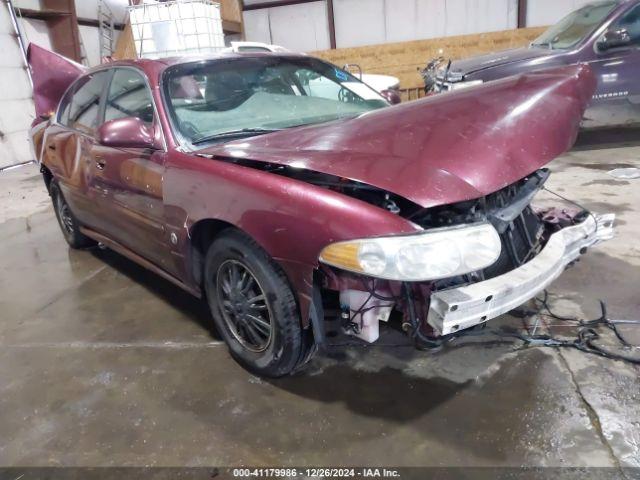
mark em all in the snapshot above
pixel 219 99
pixel 575 27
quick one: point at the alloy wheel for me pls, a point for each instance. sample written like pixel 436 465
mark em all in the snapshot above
pixel 66 220
pixel 244 306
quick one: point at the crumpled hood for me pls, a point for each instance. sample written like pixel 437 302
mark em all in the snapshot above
pixel 490 60
pixel 442 149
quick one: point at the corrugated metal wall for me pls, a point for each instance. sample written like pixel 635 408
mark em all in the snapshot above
pixel 36 31
pixel 16 105
pixel 374 22
pixel 297 27
pixel 17 111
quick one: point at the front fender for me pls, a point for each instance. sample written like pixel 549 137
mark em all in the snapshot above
pixel 292 220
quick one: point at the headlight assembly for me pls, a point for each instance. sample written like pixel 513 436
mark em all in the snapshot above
pixel 428 255
pixel 463 85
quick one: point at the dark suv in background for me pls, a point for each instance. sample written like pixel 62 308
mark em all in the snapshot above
pixel 605 35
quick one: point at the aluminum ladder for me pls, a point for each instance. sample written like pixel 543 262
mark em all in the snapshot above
pixel 107 31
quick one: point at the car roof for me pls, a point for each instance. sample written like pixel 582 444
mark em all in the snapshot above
pixel 154 67
pixel 170 61
pixel 226 55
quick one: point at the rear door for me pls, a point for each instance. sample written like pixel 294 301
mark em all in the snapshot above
pixel 69 142
pixel 617 99
pixel 126 183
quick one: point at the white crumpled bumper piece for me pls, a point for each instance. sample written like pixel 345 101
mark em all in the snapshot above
pixel 459 308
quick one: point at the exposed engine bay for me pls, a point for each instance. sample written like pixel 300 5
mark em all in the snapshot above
pixel 524 231
pixel 430 73
pixel 430 310
pixel 362 301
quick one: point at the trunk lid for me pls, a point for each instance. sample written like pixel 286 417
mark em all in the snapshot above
pixel 442 149
pixel 52 74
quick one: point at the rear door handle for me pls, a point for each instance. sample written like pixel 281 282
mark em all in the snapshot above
pixel 100 164
pixel 52 147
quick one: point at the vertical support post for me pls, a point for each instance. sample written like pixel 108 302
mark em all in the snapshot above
pixel 332 24
pixel 63 28
pixel 21 44
pixel 522 13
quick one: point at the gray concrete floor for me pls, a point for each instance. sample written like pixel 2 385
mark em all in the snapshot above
pixel 103 363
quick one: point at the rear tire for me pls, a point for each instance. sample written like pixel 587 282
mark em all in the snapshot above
pixel 67 221
pixel 253 307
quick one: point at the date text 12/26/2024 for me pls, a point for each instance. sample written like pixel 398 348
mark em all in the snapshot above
pixel 369 472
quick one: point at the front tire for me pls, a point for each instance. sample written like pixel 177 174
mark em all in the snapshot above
pixel 67 221
pixel 253 306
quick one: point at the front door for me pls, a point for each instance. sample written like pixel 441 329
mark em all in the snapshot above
pixel 127 182
pixel 617 99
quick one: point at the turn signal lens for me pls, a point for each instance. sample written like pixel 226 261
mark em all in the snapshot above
pixel 344 254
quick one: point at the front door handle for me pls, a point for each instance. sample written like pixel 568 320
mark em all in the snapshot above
pixel 100 164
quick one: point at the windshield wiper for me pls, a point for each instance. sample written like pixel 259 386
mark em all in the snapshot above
pixel 242 132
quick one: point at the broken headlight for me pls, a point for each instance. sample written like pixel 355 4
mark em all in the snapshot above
pixel 428 255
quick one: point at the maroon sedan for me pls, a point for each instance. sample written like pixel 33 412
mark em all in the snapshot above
pixel 283 190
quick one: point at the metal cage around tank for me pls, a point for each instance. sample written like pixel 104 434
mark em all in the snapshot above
pixel 176 28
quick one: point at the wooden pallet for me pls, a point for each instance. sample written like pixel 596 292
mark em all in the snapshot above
pixel 403 60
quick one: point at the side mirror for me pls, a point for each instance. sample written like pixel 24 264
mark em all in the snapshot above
pixel 128 132
pixel 392 96
pixel 614 39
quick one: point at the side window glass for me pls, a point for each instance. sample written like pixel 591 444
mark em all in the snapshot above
pixel 631 23
pixel 65 106
pixel 82 113
pixel 129 96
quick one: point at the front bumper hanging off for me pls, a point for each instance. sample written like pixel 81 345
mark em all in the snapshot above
pixel 463 307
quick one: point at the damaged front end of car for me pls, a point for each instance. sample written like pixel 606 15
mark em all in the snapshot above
pixel 438 77
pixel 472 262
pixel 456 239
pixel 431 74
